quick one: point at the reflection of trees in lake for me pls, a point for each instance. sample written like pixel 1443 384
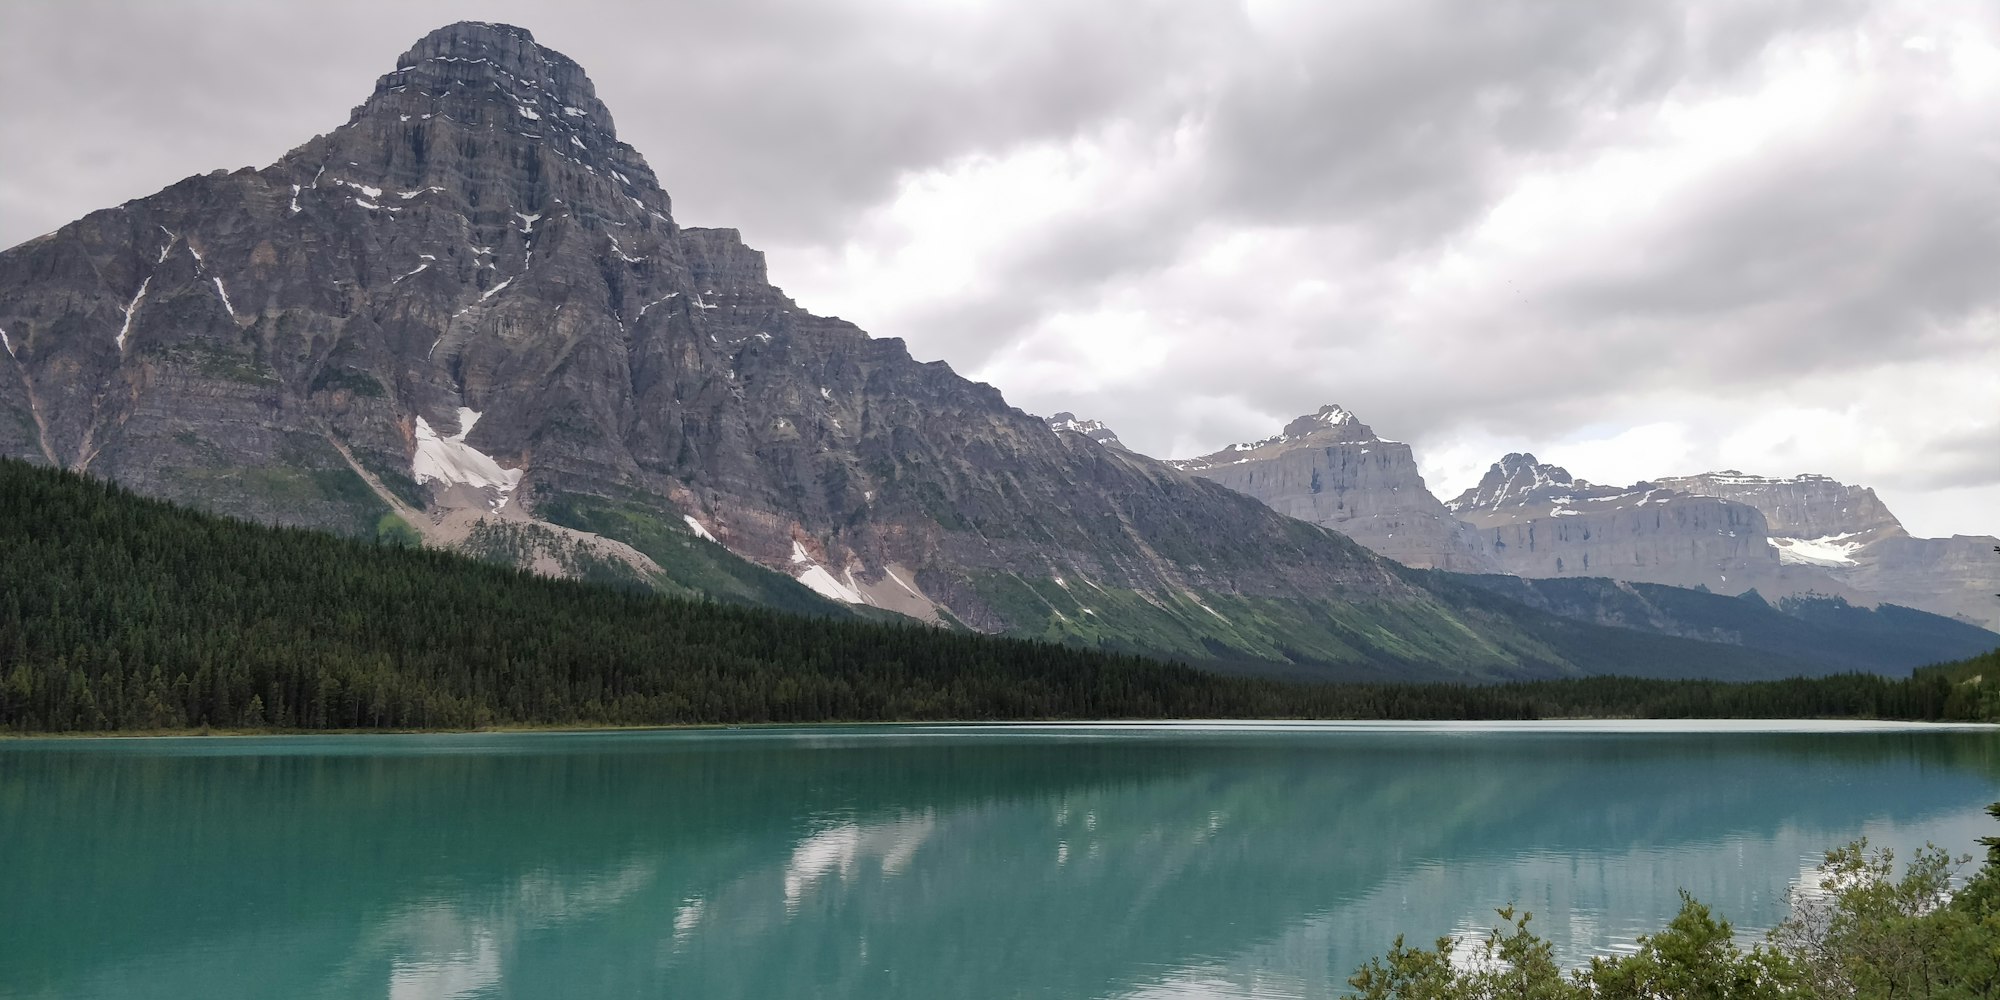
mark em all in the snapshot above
pixel 882 865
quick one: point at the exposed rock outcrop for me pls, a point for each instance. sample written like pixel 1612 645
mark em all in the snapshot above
pixel 1331 469
pixel 1538 521
pixel 1850 534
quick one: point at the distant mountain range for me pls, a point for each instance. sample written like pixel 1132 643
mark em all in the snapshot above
pixel 1724 531
pixel 468 315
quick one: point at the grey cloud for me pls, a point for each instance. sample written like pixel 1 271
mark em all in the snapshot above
pixel 1408 118
pixel 1961 459
pixel 783 117
pixel 1394 126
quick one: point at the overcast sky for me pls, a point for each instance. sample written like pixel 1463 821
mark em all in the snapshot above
pixel 1637 239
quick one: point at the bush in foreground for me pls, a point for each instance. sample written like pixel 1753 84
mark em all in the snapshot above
pixel 1866 935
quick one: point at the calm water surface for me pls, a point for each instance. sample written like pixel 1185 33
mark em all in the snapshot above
pixel 920 862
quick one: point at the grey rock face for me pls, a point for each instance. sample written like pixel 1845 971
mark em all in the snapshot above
pixel 471 301
pixel 1539 521
pixel 1848 533
pixel 1805 506
pixel 1331 469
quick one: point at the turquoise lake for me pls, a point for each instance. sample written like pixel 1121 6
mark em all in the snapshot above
pixel 1136 861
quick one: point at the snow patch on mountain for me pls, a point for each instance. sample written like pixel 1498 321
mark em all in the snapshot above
pixel 224 294
pixel 131 309
pixel 1831 550
pixel 452 462
pixel 1732 477
pixel 821 582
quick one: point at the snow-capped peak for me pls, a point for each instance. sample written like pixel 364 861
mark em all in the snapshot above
pixel 1514 478
pixel 1332 419
pixel 1331 424
pixel 1092 429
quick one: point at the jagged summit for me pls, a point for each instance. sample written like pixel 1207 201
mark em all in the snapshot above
pixel 1329 468
pixel 481 115
pixel 507 53
pixel 1513 479
pixel 1538 521
pixel 1331 417
pixel 1092 429
pixel 1330 424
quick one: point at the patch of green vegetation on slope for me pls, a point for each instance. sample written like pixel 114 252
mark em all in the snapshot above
pixel 1983 669
pixel 1460 632
pixel 1975 685
pixel 537 547
pixel 690 566
pixel 391 529
pixel 1374 638
pixel 334 496
pixel 1825 633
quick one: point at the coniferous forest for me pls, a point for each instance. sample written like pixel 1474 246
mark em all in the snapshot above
pixel 121 613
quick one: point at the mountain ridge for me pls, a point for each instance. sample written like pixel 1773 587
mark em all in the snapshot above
pixel 1727 531
pixel 1329 468
pixel 469 309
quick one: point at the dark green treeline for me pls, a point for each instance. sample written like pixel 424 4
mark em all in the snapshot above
pixel 120 613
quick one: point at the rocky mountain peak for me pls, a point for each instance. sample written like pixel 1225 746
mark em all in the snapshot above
pixel 476 55
pixel 1329 468
pixel 1511 480
pixel 509 131
pixel 1332 422
pixel 1092 429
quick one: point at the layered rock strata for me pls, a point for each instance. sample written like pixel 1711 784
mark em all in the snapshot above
pixel 1331 469
pixel 1850 534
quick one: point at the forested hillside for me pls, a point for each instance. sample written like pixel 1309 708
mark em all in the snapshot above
pixel 1825 631
pixel 121 613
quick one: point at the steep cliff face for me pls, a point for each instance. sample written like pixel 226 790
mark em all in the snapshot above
pixel 1539 521
pixel 1850 534
pixel 1331 469
pixel 470 307
pixel 1813 520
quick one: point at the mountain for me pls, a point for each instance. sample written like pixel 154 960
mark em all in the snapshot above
pixel 1331 469
pixel 1850 534
pixel 1827 632
pixel 1539 521
pixel 1092 429
pixel 1661 557
pixel 468 313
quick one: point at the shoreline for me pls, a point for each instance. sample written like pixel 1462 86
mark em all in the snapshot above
pixel 1302 725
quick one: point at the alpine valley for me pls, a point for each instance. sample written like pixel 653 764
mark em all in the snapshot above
pixel 468 315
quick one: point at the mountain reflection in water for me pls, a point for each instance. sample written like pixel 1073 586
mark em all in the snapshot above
pixel 910 862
